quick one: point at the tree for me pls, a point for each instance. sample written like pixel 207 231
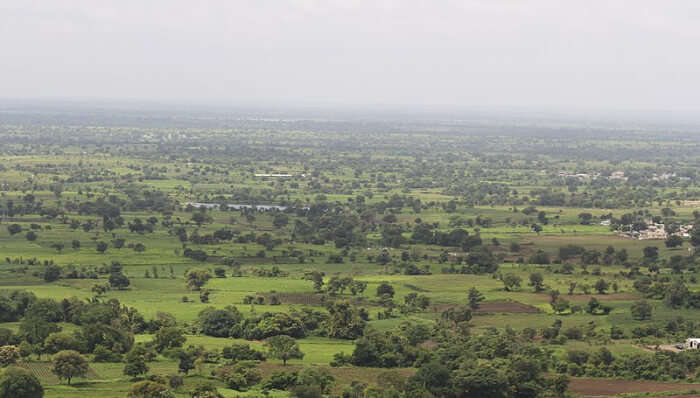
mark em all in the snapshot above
pixel 101 247
pixel 150 389
pixel 559 305
pixel 585 218
pixel 280 220
pixel 169 337
pixel 135 364
pixel 621 256
pixel 52 273
pixel 206 391
pixel 31 236
pixel 119 281
pixel 385 289
pixel 218 323
pixel 458 314
pixel 344 320
pixel 651 253
pixel 9 354
pixel 186 362
pixel 196 278
pixel 19 383
pixel 69 364
pixel 283 347
pixel 57 342
pixel 475 298
pixel 482 382
pixel 674 241
pixel 695 235
pixel 118 243
pixel 14 229
pixel 537 281
pixel 601 286
pixel 511 282
pixel 641 310
pixel 35 329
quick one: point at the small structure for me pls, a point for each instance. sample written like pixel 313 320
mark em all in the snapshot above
pixel 692 343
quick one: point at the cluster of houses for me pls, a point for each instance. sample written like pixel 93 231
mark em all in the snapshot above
pixel 656 231
pixel 615 175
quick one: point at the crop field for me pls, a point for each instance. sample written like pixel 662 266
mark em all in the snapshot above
pixel 414 261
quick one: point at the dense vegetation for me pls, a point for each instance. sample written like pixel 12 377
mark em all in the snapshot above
pixel 154 255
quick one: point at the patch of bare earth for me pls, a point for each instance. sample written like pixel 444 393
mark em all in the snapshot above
pixel 590 387
pixel 498 307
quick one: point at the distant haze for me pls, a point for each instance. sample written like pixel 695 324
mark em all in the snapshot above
pixel 561 54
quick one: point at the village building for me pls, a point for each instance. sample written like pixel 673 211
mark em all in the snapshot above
pixel 692 343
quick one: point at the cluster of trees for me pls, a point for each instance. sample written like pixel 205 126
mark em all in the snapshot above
pixel 342 321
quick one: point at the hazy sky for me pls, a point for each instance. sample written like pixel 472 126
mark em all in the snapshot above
pixel 638 54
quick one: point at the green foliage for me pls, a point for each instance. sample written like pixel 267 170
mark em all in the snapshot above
pixel 149 389
pixel 69 364
pixel 284 348
pixel 19 383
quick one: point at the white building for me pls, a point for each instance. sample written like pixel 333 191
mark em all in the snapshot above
pixel 692 343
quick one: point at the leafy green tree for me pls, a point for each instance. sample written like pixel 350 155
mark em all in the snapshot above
pixel 651 253
pixel 119 281
pixel 186 361
pixel 585 218
pixel 35 330
pixel 559 305
pixel 135 364
pixel 57 342
pixel 14 229
pixel 385 289
pixel 196 278
pixel 47 309
pixel 641 310
pixel 169 337
pixel 218 323
pixel 511 282
pixel 69 364
pixel 537 281
pixel 674 241
pixel 101 247
pixel 206 391
pixel 433 376
pixel 150 389
pixel 284 348
pixel 481 382
pixel 475 298
pixel 52 273
pixel 601 286
pixel 695 235
pixel 457 314
pixel 9 355
pixel 344 320
pixel 19 383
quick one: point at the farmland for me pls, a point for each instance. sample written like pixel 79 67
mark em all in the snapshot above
pixel 496 255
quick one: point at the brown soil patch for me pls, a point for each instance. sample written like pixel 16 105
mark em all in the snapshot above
pixel 506 307
pixel 591 387
pixel 661 347
pixel 493 307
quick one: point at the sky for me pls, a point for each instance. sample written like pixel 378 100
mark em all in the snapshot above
pixel 566 54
